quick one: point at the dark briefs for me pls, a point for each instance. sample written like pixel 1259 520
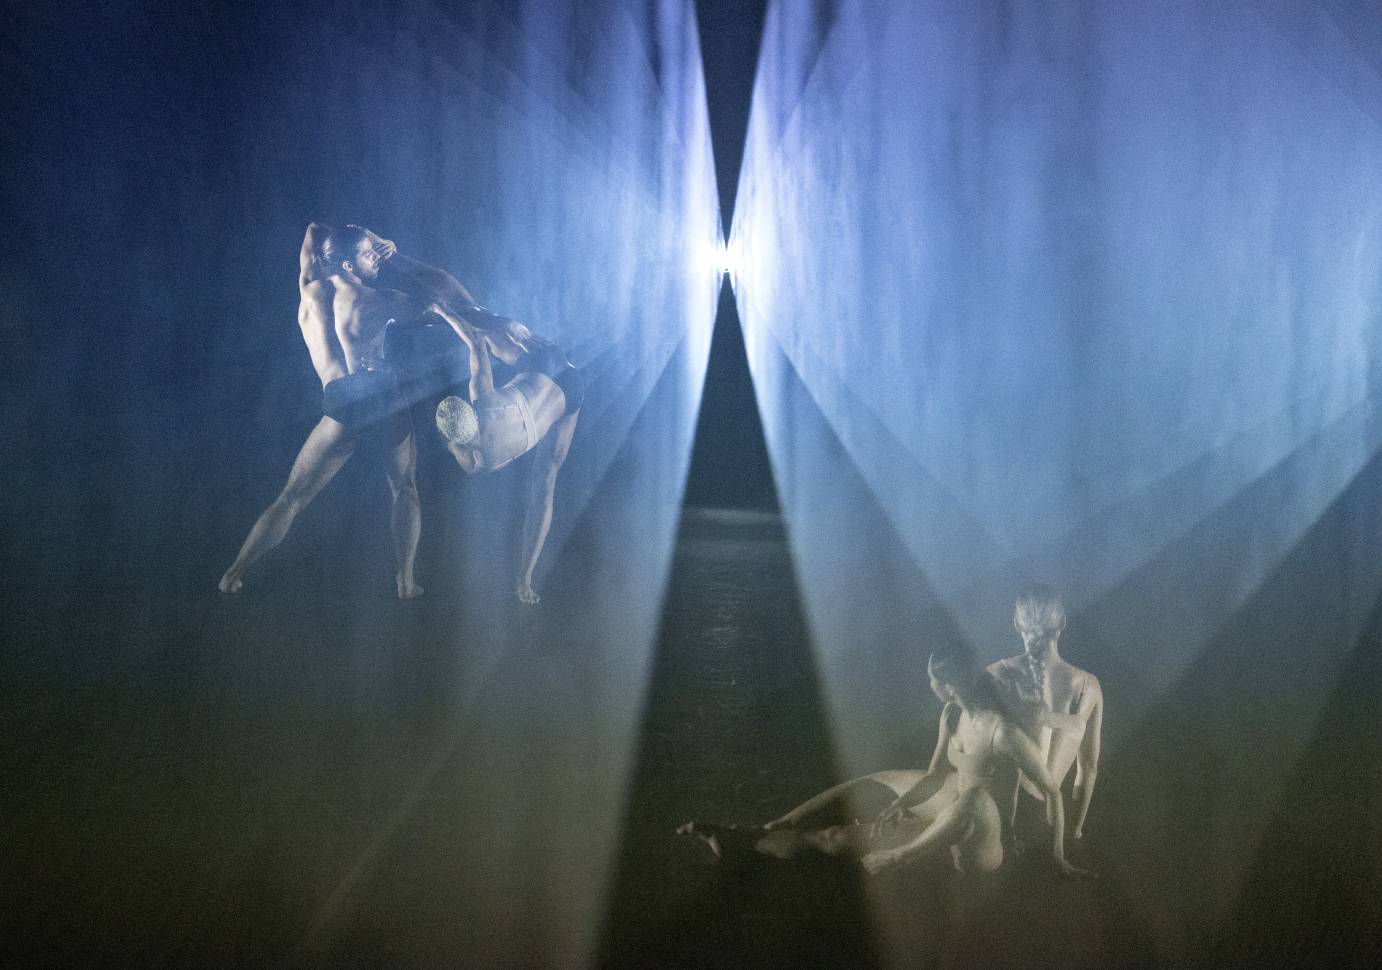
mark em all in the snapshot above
pixel 361 399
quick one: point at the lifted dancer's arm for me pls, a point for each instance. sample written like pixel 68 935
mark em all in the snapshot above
pixel 434 284
pixel 481 372
pixel 481 376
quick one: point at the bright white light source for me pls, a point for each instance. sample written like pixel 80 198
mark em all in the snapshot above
pixel 719 258
pixel 729 259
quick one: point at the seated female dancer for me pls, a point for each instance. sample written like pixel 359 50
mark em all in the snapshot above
pixel 947 806
pixel 537 409
pixel 1060 706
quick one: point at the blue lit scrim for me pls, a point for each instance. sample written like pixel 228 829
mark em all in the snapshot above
pixel 1083 293
pixel 556 158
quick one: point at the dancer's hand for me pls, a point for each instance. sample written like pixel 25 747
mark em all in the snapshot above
pixel 383 248
pixel 890 816
pixel 881 860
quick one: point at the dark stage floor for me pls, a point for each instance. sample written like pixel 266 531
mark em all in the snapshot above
pixel 292 780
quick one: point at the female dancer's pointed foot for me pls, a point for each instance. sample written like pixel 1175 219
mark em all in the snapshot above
pixel 230 584
pixel 408 588
pixel 709 838
pixel 722 838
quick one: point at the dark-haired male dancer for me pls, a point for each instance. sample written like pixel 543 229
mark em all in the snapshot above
pixel 343 321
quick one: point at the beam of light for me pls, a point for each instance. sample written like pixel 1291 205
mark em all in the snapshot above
pixel 556 159
pixel 1064 286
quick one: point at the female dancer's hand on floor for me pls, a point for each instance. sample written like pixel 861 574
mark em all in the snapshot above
pixel 887 818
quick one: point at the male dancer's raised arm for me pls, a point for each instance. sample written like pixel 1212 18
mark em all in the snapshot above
pixel 315 295
pixel 310 267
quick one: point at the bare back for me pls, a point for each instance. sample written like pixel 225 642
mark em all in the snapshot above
pixel 513 418
pixel 316 318
pixel 1055 717
pixel 316 321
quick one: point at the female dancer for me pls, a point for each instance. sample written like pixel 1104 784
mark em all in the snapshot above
pixel 947 806
pixel 1060 706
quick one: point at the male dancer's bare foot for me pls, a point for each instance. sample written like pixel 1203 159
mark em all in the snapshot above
pixel 526 594
pixel 230 584
pixel 408 589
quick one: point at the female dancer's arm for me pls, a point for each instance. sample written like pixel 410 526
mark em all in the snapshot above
pixel 1013 742
pixel 934 778
pixel 892 779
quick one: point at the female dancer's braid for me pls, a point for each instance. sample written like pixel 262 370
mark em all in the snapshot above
pixel 1038 608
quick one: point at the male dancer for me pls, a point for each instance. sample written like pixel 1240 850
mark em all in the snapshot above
pixel 343 322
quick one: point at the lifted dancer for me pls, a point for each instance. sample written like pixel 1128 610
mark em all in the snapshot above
pixel 537 409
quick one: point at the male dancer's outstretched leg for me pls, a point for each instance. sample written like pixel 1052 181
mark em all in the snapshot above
pixel 323 453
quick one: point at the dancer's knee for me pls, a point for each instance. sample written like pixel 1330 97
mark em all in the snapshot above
pixel 835 840
pixel 287 505
pixel 545 483
pixel 404 488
